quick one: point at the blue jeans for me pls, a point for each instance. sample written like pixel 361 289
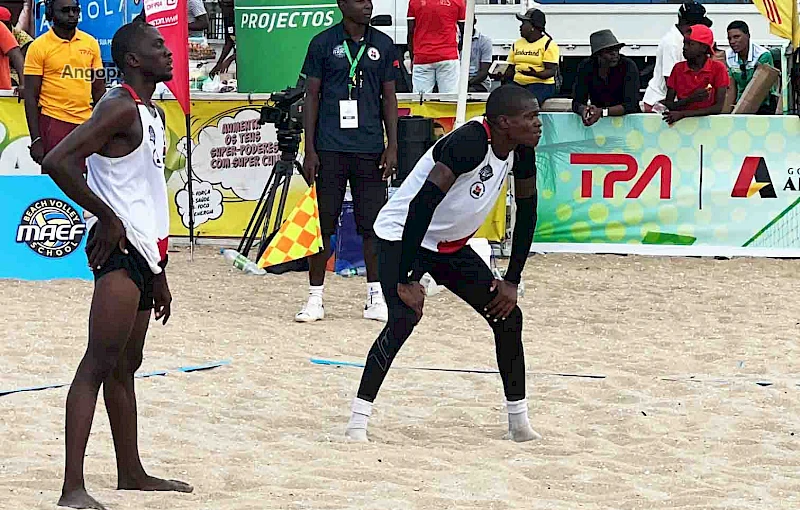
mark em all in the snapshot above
pixel 542 91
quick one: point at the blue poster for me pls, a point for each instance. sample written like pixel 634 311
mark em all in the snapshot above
pixel 99 18
pixel 42 232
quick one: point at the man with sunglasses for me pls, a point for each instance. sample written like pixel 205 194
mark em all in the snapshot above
pixel 61 79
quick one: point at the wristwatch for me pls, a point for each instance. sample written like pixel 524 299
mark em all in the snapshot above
pixel 605 112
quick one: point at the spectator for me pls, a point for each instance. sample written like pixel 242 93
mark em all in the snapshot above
pixel 228 53
pixel 479 62
pixel 670 51
pixel 433 44
pixel 697 86
pixel 197 17
pixel 23 40
pixel 534 57
pixel 60 79
pixel 438 130
pixel 606 83
pixel 10 54
pixel 742 59
pixel 351 69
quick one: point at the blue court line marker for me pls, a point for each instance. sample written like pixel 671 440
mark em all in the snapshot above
pixel 331 362
pixel 156 373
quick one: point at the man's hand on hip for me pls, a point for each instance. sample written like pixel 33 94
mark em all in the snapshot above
pixel 389 162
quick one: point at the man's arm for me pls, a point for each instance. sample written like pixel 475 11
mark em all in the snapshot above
pixel 460 36
pixel 580 89
pixel 410 40
pixel 389 101
pixel 483 72
pixel 17 61
pixel 65 162
pixel 311 112
pixel 525 224
pixel 98 89
pixel 223 55
pixel 714 109
pixel 199 23
pixel 33 87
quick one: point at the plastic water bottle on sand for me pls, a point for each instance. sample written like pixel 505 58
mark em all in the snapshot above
pixel 239 261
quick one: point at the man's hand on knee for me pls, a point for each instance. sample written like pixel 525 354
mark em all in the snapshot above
pixel 413 295
pixel 504 302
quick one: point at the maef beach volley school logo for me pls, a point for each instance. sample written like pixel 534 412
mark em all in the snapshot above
pixel 51 227
pixel 753 178
pixel 373 54
pixel 338 51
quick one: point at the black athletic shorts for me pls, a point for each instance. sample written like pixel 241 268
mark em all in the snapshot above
pixel 138 271
pixel 366 185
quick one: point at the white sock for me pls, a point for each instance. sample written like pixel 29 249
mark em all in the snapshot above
pixel 315 292
pixel 374 292
pixel 518 414
pixel 361 411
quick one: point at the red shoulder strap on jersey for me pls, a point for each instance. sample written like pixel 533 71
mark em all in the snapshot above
pixel 132 92
pixel 486 127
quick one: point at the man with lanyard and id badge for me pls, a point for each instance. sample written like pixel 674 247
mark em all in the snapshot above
pixel 350 72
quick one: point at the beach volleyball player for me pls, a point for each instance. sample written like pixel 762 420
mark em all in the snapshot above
pixel 124 146
pixel 425 227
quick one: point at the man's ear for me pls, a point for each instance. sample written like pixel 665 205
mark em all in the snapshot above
pixel 131 60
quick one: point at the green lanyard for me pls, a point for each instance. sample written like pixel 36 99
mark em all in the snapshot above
pixel 353 66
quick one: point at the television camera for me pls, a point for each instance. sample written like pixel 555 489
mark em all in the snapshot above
pixel 285 112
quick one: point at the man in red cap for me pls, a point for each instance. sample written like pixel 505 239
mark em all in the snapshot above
pixel 697 86
pixel 9 51
pixel 23 40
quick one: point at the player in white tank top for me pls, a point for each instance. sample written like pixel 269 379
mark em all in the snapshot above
pixel 125 197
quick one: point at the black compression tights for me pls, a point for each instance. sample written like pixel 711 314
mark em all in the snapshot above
pixel 466 275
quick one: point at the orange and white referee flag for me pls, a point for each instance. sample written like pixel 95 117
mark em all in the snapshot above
pixel 299 236
pixel 782 16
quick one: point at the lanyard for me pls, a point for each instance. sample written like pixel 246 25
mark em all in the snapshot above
pixel 353 66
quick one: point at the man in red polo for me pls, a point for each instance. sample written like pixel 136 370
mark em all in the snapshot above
pixel 698 85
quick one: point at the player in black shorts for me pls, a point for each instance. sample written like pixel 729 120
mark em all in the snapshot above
pixel 425 227
pixel 123 143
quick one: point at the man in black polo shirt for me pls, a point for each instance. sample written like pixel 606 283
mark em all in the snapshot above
pixel 607 83
pixel 350 72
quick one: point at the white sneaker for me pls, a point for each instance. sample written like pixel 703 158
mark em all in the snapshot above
pixel 313 311
pixel 376 310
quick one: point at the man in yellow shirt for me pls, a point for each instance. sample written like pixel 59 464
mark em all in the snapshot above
pixel 61 78
pixel 534 57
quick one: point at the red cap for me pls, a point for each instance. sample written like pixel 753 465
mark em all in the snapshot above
pixel 701 34
pixel 5 14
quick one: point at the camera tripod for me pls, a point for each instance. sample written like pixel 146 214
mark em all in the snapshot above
pixel 278 182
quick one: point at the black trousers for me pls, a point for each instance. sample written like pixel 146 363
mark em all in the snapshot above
pixel 466 275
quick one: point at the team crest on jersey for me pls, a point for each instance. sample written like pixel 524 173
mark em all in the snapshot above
pixel 152 135
pixel 485 173
pixel 373 54
pixel 338 51
pixel 477 190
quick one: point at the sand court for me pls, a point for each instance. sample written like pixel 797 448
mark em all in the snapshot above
pixel 266 431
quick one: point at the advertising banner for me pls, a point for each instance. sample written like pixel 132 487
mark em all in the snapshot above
pixel 99 18
pixel 720 185
pixel 42 233
pixel 283 27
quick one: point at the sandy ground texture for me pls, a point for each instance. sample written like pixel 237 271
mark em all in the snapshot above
pixel 266 431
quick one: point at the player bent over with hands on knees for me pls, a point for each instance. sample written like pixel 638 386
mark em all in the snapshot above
pixel 425 227
pixel 123 144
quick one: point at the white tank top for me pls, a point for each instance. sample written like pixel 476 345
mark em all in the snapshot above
pixel 134 187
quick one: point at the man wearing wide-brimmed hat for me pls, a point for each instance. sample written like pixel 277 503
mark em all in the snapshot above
pixel 607 83
pixel 670 51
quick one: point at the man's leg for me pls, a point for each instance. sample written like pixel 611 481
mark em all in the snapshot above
pixel 120 398
pixel 447 76
pixel 398 328
pixel 423 78
pixel 466 275
pixel 331 185
pixel 112 317
pixel 369 196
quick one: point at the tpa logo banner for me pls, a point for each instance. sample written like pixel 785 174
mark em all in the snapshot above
pixel 660 165
pixel 753 178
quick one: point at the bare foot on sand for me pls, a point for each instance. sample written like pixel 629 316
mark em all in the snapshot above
pixel 79 499
pixel 151 483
